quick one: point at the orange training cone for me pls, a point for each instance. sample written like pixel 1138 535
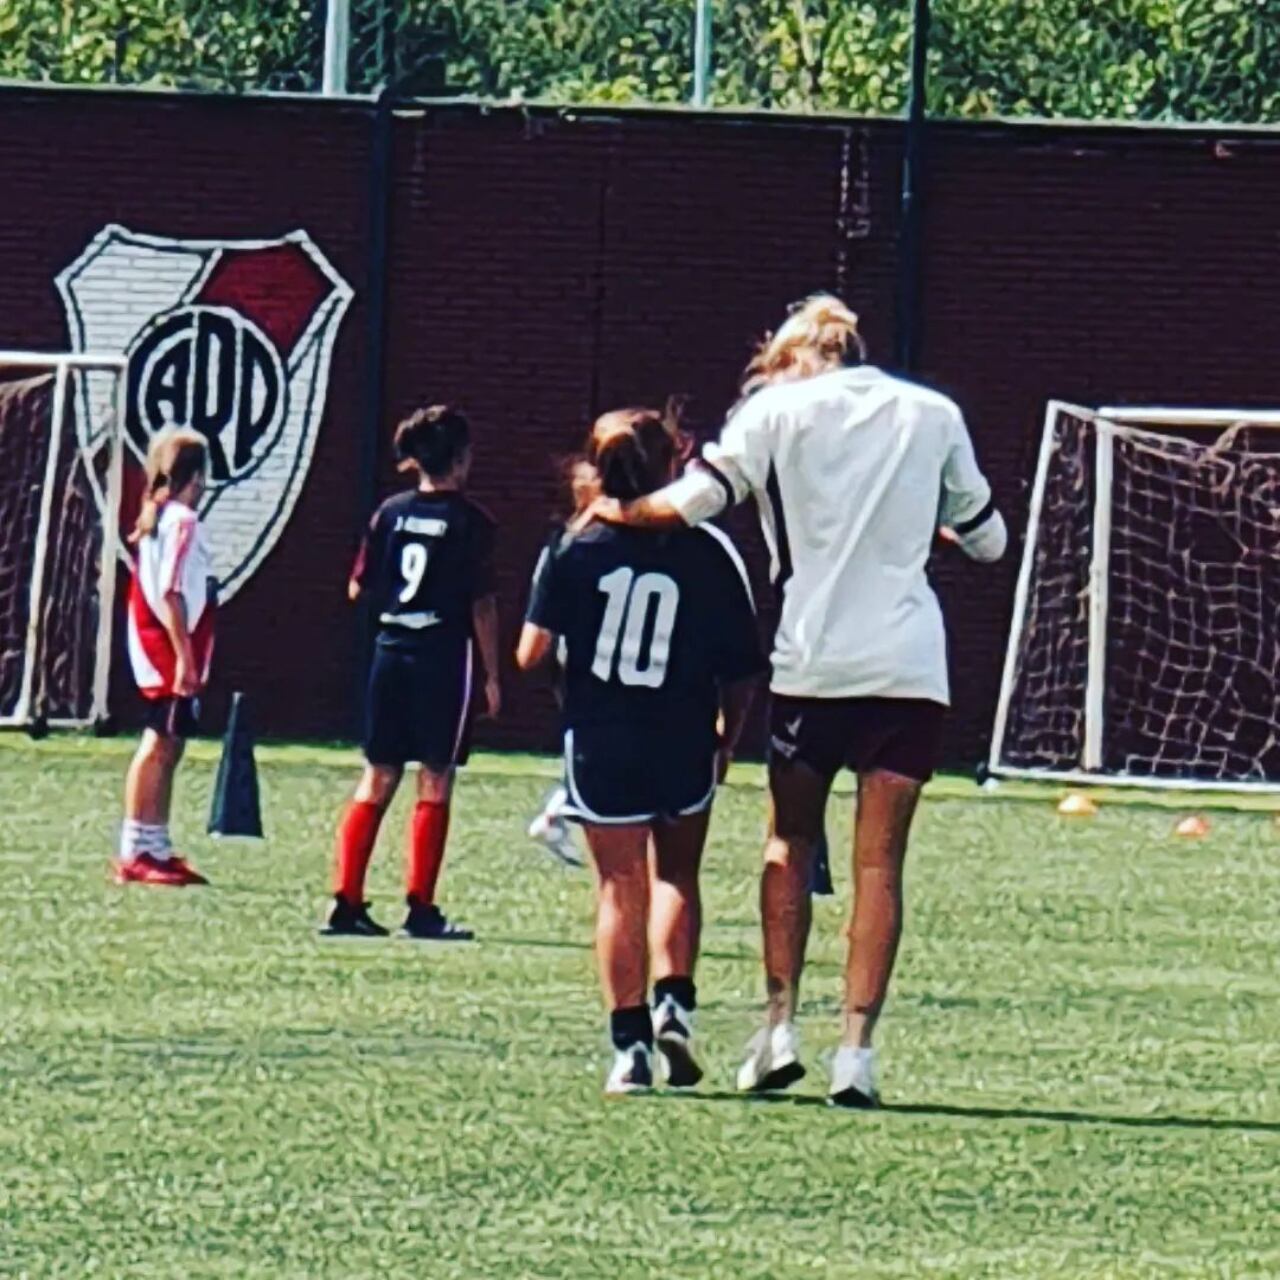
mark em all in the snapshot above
pixel 1192 827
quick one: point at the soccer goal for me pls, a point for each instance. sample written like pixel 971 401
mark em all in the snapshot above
pixel 1145 643
pixel 61 461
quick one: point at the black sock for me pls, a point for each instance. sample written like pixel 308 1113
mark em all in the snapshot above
pixel 630 1026
pixel 683 991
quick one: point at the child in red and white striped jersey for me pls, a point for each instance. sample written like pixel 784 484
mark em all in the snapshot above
pixel 171 611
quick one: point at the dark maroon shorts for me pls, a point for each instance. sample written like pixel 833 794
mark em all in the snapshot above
pixel 901 735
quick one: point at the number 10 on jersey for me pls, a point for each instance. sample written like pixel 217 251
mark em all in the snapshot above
pixel 631 601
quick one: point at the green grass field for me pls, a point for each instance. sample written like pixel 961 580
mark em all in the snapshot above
pixel 1080 1058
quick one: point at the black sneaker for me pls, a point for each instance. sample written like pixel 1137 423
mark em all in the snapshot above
pixel 351 920
pixel 427 923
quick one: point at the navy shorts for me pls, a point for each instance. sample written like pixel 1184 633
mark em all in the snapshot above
pixel 419 706
pixel 617 774
pixel 900 735
pixel 173 717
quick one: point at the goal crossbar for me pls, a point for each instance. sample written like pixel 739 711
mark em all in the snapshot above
pixel 1139 416
pixel 66 360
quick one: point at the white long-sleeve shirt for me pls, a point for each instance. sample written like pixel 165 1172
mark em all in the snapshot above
pixel 853 472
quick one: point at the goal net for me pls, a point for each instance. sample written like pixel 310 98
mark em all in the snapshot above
pixel 1145 645
pixel 60 476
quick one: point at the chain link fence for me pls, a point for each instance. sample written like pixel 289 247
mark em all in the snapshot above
pixel 1195 60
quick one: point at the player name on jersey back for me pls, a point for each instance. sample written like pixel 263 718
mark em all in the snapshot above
pixel 428 527
pixel 428 556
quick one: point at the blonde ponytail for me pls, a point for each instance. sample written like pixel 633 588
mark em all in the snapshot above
pixel 819 335
pixel 174 458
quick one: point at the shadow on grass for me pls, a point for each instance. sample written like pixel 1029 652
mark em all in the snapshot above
pixel 1208 1124
pixel 1204 1123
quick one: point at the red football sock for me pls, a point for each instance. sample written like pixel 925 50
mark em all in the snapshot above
pixel 428 831
pixel 357 833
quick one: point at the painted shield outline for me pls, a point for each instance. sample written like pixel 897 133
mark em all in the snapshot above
pixel 171 273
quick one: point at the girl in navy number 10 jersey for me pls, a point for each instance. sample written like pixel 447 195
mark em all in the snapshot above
pixel 660 643
pixel 427 565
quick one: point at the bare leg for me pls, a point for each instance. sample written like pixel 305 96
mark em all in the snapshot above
pixel 148 786
pixel 622 912
pixel 435 788
pixel 797 807
pixel 675 899
pixel 886 806
pixel 378 783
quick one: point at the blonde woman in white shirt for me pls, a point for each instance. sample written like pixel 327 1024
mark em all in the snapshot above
pixel 854 473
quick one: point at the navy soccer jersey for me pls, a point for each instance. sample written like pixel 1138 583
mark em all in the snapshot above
pixel 424 562
pixel 653 624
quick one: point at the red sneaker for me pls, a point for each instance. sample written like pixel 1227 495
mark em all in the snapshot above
pixel 144 869
pixel 185 871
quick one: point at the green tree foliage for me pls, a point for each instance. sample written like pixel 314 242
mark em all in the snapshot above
pixel 1110 59
pixel 1126 59
pixel 211 44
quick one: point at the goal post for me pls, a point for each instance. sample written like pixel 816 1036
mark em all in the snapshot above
pixel 1144 647
pixel 61 475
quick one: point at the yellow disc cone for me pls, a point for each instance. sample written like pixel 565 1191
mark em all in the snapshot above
pixel 1075 804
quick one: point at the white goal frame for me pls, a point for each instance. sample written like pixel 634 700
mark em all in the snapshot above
pixel 1107 422
pixel 63 365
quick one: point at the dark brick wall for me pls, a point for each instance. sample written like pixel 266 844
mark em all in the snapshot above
pixel 207 167
pixel 545 269
pixel 496 259
pixel 1104 266
pixel 544 266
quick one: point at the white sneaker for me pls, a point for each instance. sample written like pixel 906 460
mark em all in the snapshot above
pixel 554 835
pixel 632 1071
pixel 853 1079
pixel 773 1060
pixel 673 1038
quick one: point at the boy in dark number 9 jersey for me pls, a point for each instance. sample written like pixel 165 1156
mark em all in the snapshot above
pixel 660 641
pixel 427 566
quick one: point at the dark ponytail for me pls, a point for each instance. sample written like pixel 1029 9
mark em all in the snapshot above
pixel 432 441
pixel 635 451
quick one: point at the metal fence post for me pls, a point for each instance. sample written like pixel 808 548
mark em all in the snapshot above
pixel 906 345
pixel 337 47
pixel 381 183
pixel 701 52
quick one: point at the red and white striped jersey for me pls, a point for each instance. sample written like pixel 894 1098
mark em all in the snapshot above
pixel 173 558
